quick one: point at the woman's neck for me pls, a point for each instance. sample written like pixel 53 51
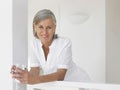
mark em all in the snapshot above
pixel 47 43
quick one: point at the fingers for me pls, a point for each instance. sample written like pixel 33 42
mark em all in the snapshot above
pixel 22 80
pixel 13 69
pixel 19 74
pixel 17 68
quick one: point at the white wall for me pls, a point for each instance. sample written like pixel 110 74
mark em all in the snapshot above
pixel 113 41
pixel 88 37
pixel 5 44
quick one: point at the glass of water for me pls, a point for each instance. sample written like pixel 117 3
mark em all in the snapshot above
pixel 23 67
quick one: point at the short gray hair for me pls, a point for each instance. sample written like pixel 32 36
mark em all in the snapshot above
pixel 44 14
pixel 41 15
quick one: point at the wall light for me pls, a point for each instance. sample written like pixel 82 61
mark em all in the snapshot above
pixel 78 18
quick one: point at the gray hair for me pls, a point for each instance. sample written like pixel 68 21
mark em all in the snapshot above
pixel 41 15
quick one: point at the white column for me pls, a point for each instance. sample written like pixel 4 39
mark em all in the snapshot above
pixel 20 40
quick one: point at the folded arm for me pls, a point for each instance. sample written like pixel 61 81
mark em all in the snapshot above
pixel 33 76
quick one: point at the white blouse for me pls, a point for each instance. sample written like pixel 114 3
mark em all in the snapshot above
pixel 59 56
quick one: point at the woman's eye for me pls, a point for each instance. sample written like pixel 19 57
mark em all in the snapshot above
pixel 49 27
pixel 40 27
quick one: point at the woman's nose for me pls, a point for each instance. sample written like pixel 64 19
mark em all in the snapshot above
pixel 45 31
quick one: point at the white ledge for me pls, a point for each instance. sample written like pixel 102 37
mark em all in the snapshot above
pixel 73 86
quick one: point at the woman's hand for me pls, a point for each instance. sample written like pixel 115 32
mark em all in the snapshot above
pixel 33 77
pixel 24 76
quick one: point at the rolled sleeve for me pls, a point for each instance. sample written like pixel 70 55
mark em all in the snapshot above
pixel 33 61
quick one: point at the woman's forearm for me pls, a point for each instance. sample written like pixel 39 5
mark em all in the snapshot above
pixel 59 75
pixel 34 77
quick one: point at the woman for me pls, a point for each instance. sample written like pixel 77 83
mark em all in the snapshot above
pixel 51 56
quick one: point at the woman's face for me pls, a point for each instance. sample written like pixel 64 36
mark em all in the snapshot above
pixel 45 30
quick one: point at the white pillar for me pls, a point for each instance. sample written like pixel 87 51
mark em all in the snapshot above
pixel 20 36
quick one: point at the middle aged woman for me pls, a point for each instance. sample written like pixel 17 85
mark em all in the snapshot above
pixel 51 55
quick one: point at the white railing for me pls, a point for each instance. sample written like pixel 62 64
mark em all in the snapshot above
pixel 63 85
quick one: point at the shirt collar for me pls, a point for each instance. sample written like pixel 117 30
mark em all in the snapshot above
pixel 52 44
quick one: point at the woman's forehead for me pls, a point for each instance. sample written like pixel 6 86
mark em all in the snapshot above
pixel 46 21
